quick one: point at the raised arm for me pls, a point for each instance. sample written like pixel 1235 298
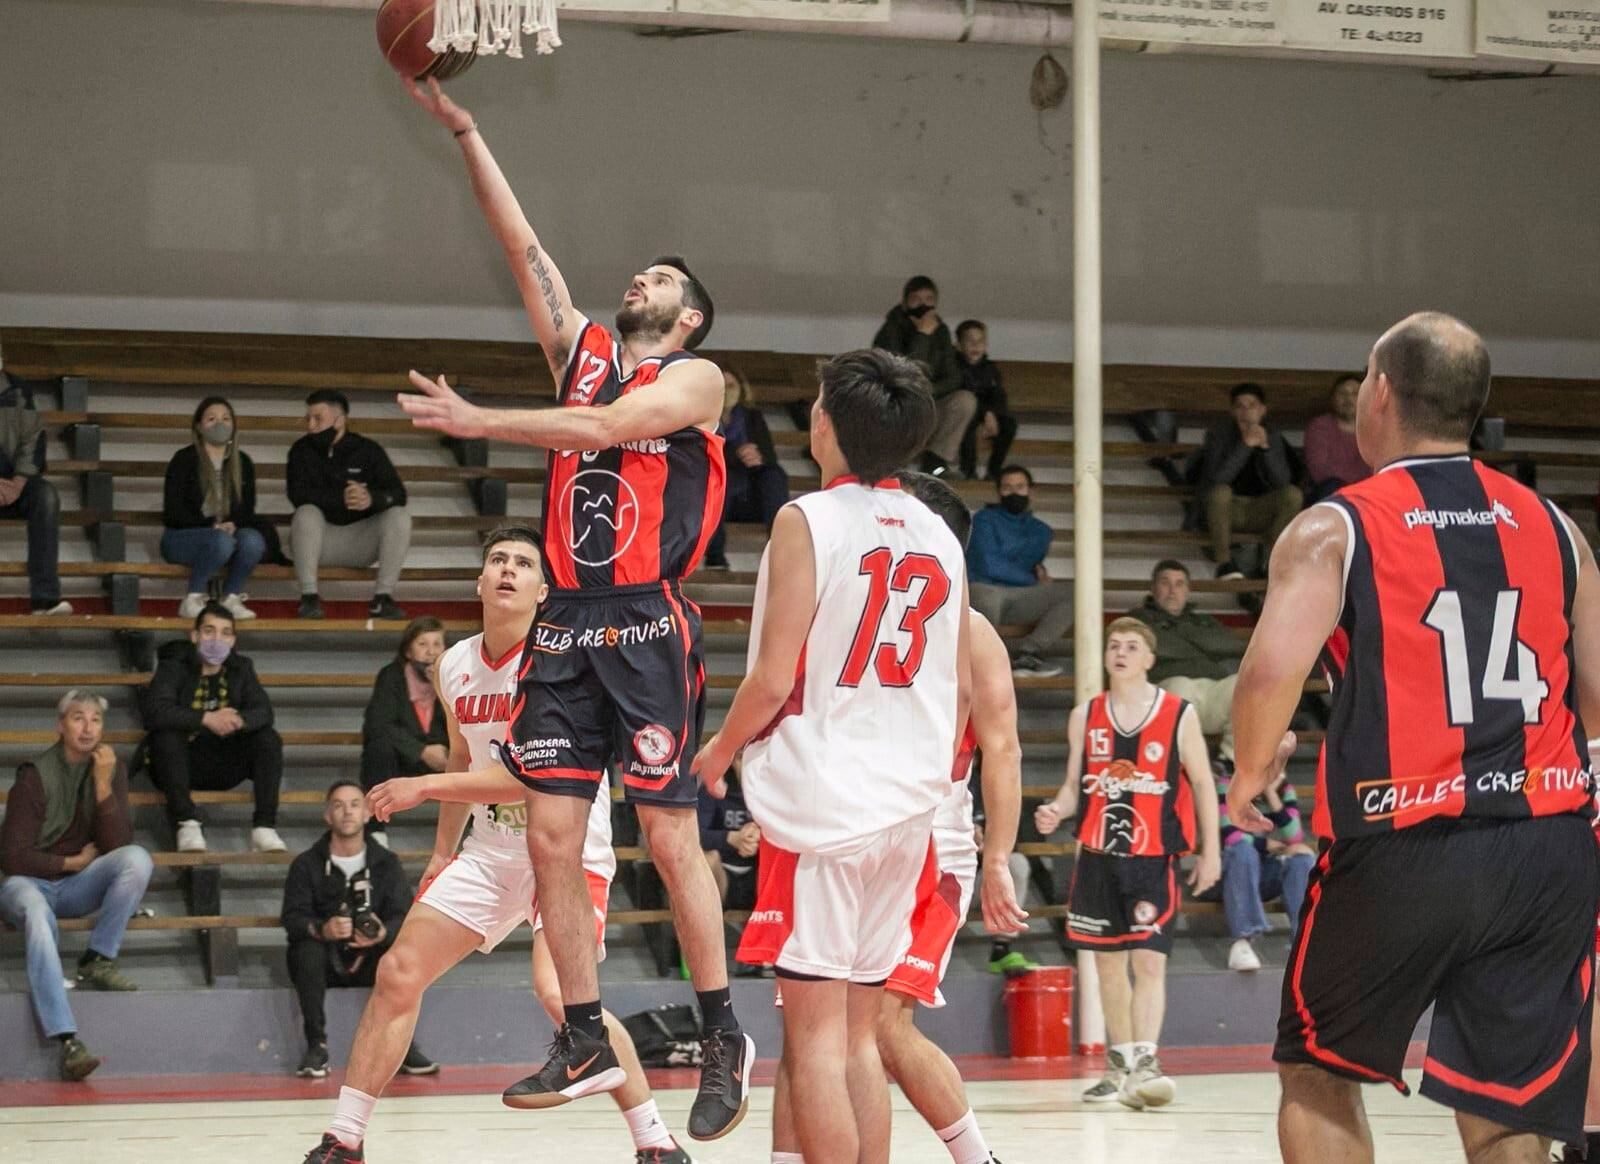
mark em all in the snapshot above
pixel 994 723
pixel 789 575
pixel 685 395
pixel 556 323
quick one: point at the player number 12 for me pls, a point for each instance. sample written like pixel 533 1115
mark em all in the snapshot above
pixel 885 574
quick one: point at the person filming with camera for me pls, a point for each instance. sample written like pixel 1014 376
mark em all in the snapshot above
pixel 343 903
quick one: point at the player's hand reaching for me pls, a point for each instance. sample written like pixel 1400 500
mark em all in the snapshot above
pixel 440 407
pixel 395 796
pixel 1001 912
pixel 440 107
pixel 710 767
pixel 1207 870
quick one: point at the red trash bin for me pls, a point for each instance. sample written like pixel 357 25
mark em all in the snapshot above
pixel 1039 1012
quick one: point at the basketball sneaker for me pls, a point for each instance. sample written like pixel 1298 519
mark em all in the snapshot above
pixel 1147 1085
pixel 1110 1084
pixel 672 1155
pixel 331 1151
pixel 724 1095
pixel 578 1066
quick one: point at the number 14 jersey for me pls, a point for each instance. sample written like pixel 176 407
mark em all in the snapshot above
pixel 865 740
pixel 1451 665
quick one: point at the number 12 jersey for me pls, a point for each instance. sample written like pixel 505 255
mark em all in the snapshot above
pixel 865 740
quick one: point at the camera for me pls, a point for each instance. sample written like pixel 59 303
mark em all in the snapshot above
pixel 357 906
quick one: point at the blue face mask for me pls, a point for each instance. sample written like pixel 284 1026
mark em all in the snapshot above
pixel 214 651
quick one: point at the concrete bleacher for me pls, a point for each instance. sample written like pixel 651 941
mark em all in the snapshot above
pixel 124 408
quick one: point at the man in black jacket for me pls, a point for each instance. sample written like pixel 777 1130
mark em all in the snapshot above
pixel 993 418
pixel 210 726
pixel 340 478
pixel 343 903
pixel 25 493
pixel 1246 479
pixel 913 329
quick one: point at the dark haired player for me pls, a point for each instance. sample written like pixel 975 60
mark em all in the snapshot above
pixel 614 667
pixel 856 692
pixel 1458 616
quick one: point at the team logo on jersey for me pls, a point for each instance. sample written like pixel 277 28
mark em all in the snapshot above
pixel 1153 752
pixel 596 500
pixel 1498 513
pixel 1122 777
pixel 1144 913
pixel 1122 830
pixel 654 744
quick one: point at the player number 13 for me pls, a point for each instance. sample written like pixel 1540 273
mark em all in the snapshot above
pixel 885 574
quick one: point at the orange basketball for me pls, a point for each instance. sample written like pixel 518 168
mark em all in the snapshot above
pixel 404 29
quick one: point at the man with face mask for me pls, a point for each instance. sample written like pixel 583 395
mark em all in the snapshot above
pixel 210 726
pixel 1005 565
pixel 340 478
pixel 914 330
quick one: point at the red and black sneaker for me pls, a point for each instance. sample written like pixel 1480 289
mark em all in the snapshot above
pixel 331 1151
pixel 672 1155
pixel 578 1066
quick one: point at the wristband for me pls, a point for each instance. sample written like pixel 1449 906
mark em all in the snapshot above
pixel 461 133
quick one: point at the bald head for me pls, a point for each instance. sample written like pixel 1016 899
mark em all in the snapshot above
pixel 1438 369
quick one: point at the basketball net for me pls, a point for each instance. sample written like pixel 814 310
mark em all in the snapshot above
pixel 486 27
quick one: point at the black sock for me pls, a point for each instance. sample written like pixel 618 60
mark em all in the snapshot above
pixel 998 950
pixel 68 1037
pixel 586 1019
pixel 716 1010
pixel 90 957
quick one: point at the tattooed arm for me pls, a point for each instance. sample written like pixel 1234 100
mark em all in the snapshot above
pixel 556 323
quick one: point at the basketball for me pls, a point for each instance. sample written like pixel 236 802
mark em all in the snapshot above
pixel 404 29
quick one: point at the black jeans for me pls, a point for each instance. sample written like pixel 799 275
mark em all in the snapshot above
pixel 314 968
pixel 40 506
pixel 179 766
pixel 999 447
pixel 752 495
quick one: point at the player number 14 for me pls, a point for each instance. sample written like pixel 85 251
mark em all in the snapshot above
pixel 1525 687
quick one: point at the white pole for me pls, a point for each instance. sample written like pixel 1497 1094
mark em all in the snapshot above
pixel 1087 452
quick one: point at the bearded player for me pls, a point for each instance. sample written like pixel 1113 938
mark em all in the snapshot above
pixel 473 900
pixel 613 671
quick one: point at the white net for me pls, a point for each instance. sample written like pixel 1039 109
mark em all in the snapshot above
pixel 487 27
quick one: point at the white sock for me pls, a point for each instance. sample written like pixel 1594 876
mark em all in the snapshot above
pixel 350 1118
pixel 964 1141
pixel 1126 1051
pixel 644 1123
pixel 788 1158
pixel 1140 1050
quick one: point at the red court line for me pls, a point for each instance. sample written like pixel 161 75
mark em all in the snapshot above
pixel 488 1080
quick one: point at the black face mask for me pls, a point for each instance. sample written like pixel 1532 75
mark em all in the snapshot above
pixel 1014 503
pixel 420 669
pixel 919 311
pixel 323 441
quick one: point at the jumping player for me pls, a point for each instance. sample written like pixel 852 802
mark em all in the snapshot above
pixel 1137 765
pixel 857 689
pixel 1458 614
pixel 475 899
pixel 614 667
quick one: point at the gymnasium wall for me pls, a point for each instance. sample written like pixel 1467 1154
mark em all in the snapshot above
pixel 197 165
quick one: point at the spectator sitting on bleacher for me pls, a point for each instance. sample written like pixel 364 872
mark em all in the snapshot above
pixel 210 729
pixel 340 478
pixel 343 903
pixel 1256 869
pixel 1007 578
pixel 404 731
pixel 1197 657
pixel 66 847
pixel 731 841
pixel 1246 477
pixel 913 329
pixel 757 486
pixel 993 419
pixel 25 493
pixel 208 509
pixel 1332 458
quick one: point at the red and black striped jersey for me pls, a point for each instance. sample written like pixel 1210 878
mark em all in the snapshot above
pixel 1451 664
pixel 1136 798
pixel 636 513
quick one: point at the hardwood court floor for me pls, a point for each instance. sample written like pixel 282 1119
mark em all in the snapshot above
pixel 1218 1117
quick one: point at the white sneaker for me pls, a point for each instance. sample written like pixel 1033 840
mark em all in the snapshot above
pixel 191 606
pixel 1110 1083
pixel 191 839
pixel 267 841
pixel 380 837
pixel 236 606
pixel 1147 1086
pixel 1242 956
pixel 62 607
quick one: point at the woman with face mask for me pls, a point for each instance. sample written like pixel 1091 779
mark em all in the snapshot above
pixel 209 510
pixel 404 731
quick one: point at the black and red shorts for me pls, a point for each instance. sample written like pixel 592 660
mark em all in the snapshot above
pixel 1122 903
pixel 611 675
pixel 1492 923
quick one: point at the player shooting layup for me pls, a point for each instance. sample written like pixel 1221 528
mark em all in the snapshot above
pixel 613 669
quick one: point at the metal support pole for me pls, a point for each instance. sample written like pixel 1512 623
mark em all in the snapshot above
pixel 1087 452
